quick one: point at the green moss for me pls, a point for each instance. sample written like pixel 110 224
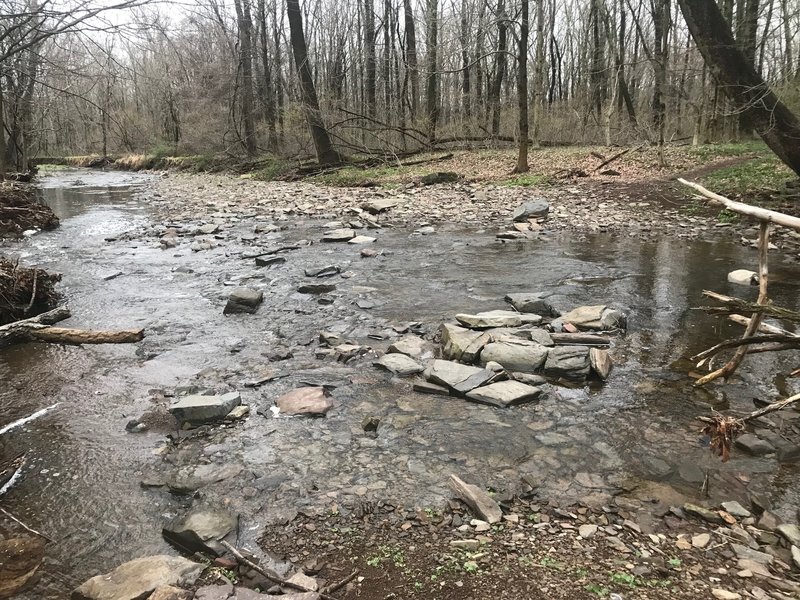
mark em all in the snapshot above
pixel 750 177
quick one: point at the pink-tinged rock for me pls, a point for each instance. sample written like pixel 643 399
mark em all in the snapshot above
pixel 310 401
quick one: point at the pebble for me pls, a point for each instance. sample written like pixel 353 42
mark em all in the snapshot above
pixel 725 594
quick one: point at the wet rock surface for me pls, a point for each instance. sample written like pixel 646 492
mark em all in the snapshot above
pixel 139 578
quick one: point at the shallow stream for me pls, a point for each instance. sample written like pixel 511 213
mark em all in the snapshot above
pixel 637 433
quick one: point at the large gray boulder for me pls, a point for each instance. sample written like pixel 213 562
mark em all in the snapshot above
pixel 536 208
pixel 139 578
pixel 243 300
pixel 461 344
pixel 200 530
pixel 504 394
pixel 197 409
pixel 515 354
pixel 535 303
pixel 458 377
pixel 597 318
pixel 570 362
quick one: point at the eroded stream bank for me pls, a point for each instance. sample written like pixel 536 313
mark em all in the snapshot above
pixel 634 435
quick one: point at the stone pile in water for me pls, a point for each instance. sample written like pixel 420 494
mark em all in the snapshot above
pixel 501 357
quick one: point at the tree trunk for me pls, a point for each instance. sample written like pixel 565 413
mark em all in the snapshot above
pixel 411 58
pixel 326 154
pixel 522 86
pixel 538 73
pixel 269 93
pixel 432 84
pixel 788 34
pixel 661 23
pixel 499 65
pixel 466 100
pixel 2 135
pixel 765 113
pixel 370 86
pixel 245 26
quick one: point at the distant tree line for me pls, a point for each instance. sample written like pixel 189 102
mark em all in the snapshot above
pixel 387 77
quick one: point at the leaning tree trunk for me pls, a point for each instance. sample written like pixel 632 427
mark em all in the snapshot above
pixel 411 58
pixel 326 154
pixel 769 117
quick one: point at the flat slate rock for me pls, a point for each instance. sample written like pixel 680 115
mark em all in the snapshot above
pixel 399 364
pixel 426 387
pixel 516 355
pixel 497 318
pixel 481 503
pixel 268 261
pixel 570 362
pixel 600 361
pixel 458 377
pixel 598 317
pixel 200 530
pixel 326 271
pixel 753 444
pixel 462 344
pixel 139 578
pixel 410 345
pixel 338 235
pixel 198 409
pixel 243 300
pixel 379 205
pixel 534 303
pixel 361 239
pixel 505 393
pixel 308 401
pixel 316 288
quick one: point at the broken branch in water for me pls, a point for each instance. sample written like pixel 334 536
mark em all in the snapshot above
pixel 28 419
pixel 737 305
pixel 786 342
pixel 37 329
pixel 24 526
pixel 723 429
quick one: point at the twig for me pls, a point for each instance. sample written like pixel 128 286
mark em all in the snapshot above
pixel 33 531
pixel 735 343
pixel 763 279
pixel 33 293
pixel 274 579
pixel 336 587
pixel 615 157
pixel 781 404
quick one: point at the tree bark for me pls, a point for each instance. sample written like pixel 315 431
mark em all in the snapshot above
pixel 245 29
pixel 411 58
pixel 499 65
pixel 538 73
pixel 766 114
pixel 370 84
pixel 268 98
pixel 326 154
pixel 522 87
pixel 432 83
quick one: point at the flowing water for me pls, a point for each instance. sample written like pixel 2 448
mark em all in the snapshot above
pixel 637 433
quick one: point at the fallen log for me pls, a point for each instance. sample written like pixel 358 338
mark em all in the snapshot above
pixel 39 329
pixel 763 328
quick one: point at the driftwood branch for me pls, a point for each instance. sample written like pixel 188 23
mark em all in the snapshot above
pixel 789 341
pixel 737 305
pixel 762 214
pixel 755 321
pixel 763 328
pixel 38 329
pixel 24 526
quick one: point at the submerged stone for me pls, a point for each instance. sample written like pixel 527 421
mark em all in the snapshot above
pixel 505 393
pixel 200 530
pixel 310 401
pixel 198 409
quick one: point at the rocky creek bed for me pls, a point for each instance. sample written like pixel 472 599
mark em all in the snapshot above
pixel 374 471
